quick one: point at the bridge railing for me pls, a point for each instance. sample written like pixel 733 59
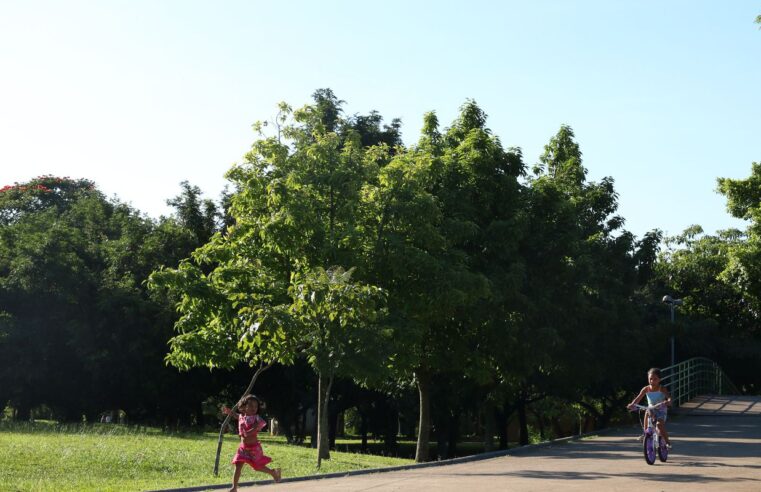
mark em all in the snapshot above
pixel 696 376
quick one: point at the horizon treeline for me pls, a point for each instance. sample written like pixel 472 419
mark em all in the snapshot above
pixel 446 285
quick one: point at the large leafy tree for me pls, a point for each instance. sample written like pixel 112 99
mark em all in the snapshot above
pixel 335 319
pixel 402 252
pixel 581 271
pixel 433 212
pixel 744 202
pixel 295 226
pixel 481 199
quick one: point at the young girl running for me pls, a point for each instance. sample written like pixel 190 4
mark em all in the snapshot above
pixel 250 449
pixel 655 394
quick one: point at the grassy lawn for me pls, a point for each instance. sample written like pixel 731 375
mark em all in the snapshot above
pixel 109 457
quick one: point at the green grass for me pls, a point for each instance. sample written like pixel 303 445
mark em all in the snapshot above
pixel 108 457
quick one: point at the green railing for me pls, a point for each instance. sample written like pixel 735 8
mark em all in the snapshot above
pixel 696 376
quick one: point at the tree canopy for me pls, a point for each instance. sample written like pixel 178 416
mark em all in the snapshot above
pixel 434 287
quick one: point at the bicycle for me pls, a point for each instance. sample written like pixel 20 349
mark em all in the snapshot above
pixel 653 444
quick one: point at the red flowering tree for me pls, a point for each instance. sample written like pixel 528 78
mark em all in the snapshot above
pixel 41 193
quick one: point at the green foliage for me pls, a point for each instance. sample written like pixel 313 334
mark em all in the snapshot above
pixel 80 333
pixel 508 283
pixel 743 270
pixel 197 215
pixel 41 193
pixel 337 321
pixel 294 213
pixel 443 264
pixel 744 195
pixel 717 277
pixel 273 287
pixel 575 320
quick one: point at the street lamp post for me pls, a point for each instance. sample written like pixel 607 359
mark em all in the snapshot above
pixel 673 303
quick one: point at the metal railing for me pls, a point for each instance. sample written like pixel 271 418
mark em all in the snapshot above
pixel 696 376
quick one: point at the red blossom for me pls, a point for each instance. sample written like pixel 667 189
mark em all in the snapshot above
pixel 19 187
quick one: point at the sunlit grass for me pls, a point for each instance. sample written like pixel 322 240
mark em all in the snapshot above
pixel 109 457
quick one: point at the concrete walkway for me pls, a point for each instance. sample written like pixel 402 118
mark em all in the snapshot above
pixel 722 405
pixel 710 453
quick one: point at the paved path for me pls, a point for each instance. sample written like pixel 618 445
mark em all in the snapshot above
pixel 722 405
pixel 710 453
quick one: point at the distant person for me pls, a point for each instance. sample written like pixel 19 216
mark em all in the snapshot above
pixel 250 449
pixel 655 393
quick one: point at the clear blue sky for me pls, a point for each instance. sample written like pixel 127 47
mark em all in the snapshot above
pixel 139 95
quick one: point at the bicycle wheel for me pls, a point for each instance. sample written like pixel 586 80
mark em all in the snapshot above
pixel 647 445
pixel 663 451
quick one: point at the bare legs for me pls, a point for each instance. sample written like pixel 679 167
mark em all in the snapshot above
pixel 236 476
pixel 276 475
pixel 662 429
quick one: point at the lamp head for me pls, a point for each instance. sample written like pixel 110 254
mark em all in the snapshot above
pixel 667 299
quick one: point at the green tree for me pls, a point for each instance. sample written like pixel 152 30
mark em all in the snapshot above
pixel 295 215
pixel 581 271
pixel 402 244
pixel 39 194
pixel 336 321
pixel 482 199
pixel 432 214
pixel 744 265
pixel 82 334
pixel 198 215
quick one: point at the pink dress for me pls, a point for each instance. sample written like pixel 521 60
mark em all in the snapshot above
pixel 251 453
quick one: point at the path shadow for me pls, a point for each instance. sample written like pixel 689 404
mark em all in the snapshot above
pixel 571 475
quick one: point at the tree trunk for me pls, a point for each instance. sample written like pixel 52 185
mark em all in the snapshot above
pixel 540 423
pixel 23 412
pixel 489 425
pixel 301 435
pixel 500 417
pixel 363 430
pixel 424 425
pixel 441 433
pixel 333 418
pixel 522 421
pixel 453 434
pixel 286 427
pixel 323 396
pixel 557 428
pixel 390 445
pixel 199 420
pixel 259 370
pixel 607 414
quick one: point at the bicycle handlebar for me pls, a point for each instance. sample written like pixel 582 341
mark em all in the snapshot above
pixel 642 407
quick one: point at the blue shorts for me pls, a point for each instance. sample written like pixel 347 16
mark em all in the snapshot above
pixel 659 413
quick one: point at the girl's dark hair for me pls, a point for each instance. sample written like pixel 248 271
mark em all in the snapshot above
pixel 654 370
pixel 247 398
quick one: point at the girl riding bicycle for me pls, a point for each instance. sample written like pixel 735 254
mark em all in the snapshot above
pixel 655 394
